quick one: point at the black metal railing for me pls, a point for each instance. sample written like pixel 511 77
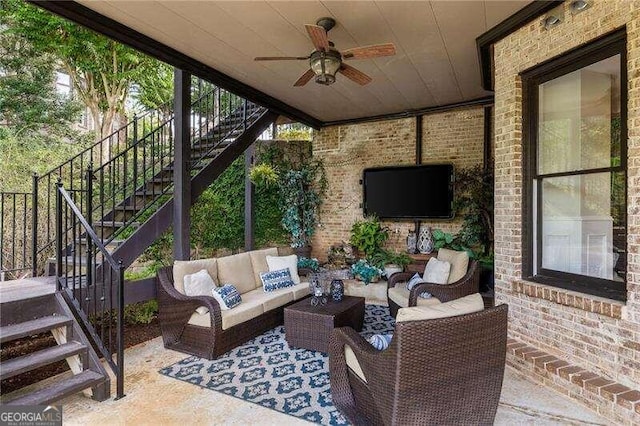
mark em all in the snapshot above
pixel 16 233
pixel 95 294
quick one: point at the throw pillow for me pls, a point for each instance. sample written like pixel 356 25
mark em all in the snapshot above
pixel 426 295
pixel 198 284
pixel 380 341
pixel 274 280
pixel 459 261
pixel 436 271
pixel 415 279
pixel 280 262
pixel 227 296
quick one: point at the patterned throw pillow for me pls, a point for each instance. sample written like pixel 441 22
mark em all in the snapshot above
pixel 274 280
pixel 415 279
pixel 380 341
pixel 227 296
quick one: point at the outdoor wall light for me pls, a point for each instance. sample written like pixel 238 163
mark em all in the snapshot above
pixel 325 65
pixel 551 21
pixel 578 6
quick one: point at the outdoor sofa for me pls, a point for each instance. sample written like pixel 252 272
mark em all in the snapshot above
pixel 213 333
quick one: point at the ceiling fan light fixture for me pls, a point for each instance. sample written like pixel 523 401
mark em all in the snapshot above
pixel 325 65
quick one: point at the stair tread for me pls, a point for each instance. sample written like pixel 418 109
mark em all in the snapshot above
pixel 113 224
pixel 15 366
pixel 29 328
pixel 61 389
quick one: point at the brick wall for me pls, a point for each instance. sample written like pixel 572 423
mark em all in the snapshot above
pixel 452 137
pixel 597 335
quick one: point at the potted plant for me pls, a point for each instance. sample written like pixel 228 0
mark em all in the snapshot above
pixel 366 272
pixel 301 191
pixel 368 236
pixel 390 261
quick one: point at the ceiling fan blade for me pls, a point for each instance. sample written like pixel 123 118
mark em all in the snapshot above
pixel 354 75
pixel 280 58
pixel 318 36
pixel 368 52
pixel 304 79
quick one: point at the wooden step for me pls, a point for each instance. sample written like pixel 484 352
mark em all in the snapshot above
pixel 113 224
pixel 29 328
pixel 59 390
pixel 34 360
pixel 151 193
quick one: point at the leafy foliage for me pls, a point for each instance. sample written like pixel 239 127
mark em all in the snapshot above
pixel 366 271
pixel 141 313
pixel 305 262
pixel 387 257
pixel 368 236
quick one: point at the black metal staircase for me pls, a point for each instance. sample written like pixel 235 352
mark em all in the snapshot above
pixel 101 209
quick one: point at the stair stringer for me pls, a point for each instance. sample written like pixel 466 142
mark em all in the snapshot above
pixel 160 221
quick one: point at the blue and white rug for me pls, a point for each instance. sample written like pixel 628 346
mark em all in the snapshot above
pixel 268 372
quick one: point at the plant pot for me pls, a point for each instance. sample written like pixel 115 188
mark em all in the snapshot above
pixel 391 269
pixel 304 251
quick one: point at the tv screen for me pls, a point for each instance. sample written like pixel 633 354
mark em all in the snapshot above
pixel 414 192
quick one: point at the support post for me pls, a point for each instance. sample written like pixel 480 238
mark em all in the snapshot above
pixel 249 192
pixel 182 165
pixel 487 145
pixel 416 225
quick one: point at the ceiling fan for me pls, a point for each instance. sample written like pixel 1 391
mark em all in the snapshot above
pixel 325 61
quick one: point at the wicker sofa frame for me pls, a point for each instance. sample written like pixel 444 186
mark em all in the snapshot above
pixel 175 309
pixel 469 284
pixel 445 371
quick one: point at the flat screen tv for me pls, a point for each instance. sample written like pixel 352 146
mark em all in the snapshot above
pixel 413 192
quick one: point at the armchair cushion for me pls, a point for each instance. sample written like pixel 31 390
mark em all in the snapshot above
pixel 400 295
pixel 237 269
pixel 184 267
pixel 352 362
pixel 281 262
pixel 250 308
pixel 459 261
pixel 259 262
pixel 461 306
pixel 437 271
pixel 199 284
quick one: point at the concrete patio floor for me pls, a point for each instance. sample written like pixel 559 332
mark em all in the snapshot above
pixel 155 399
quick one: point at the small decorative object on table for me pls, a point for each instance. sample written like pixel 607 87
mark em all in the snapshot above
pixel 412 242
pixel 337 289
pixel 318 289
pixel 425 241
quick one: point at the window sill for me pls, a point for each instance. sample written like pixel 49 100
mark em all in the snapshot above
pixel 586 302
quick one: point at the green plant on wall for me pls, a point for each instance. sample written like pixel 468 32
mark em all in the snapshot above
pixel 368 236
pixel 387 257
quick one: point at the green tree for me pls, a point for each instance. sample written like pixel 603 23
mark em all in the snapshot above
pixel 29 102
pixel 102 70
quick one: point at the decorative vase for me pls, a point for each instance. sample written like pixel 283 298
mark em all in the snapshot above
pixel 304 251
pixel 412 242
pixel 425 241
pixel 337 289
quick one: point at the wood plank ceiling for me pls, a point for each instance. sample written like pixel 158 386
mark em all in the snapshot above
pixel 436 61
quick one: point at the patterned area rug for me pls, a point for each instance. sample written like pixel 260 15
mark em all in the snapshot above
pixel 268 372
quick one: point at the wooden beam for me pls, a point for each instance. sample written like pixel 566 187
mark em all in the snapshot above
pixel 249 192
pixel 113 29
pixel 182 165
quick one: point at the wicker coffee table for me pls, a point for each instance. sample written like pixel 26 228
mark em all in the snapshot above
pixel 309 327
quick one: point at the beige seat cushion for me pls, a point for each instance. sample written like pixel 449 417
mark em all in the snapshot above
pixel 459 261
pixel 400 295
pixel 300 290
pixel 250 308
pixel 259 263
pixel 272 299
pixel 186 267
pixel 462 306
pixel 352 362
pixel 237 270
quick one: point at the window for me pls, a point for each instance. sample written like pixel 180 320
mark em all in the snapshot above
pixel 575 169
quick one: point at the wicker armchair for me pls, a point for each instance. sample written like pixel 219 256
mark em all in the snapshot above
pixel 469 284
pixel 445 371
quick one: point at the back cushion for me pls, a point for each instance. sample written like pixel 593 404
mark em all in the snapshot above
pixel 187 267
pixel 237 270
pixel 259 263
pixel 462 306
pixel 459 261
